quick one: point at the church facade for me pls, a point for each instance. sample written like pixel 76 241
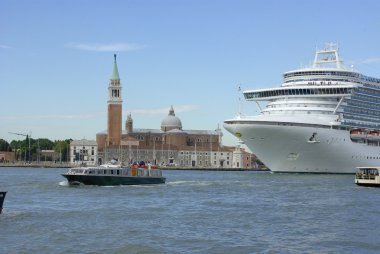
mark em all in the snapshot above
pixel 170 145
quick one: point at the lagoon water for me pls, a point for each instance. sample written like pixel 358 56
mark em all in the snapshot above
pixel 194 212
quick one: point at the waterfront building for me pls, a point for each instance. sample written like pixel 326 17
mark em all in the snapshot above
pixel 6 156
pixel 49 155
pixel 170 145
pixel 83 152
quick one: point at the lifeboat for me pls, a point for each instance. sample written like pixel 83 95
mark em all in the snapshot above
pixel 373 136
pixel 358 134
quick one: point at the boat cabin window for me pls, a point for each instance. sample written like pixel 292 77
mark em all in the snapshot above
pixel 370 171
pixel 118 172
pixel 111 172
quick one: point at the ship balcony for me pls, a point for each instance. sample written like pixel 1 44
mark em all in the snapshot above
pixel 361 106
pixel 374 114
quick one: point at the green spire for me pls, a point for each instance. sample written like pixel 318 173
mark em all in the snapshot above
pixel 115 72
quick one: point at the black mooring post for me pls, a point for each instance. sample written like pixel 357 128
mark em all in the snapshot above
pixel 2 197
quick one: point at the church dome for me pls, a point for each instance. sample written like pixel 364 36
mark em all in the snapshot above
pixel 171 122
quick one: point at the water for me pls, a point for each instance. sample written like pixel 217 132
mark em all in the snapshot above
pixel 194 212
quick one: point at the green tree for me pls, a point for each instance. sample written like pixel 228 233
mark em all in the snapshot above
pixel 21 148
pixel 62 147
pixel 4 146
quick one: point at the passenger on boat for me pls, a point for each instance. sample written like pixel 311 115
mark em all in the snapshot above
pixel 134 167
pixel 149 167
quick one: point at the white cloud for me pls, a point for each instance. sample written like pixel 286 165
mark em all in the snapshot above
pixel 111 47
pixel 184 108
pixel 164 111
pixel 42 117
pixel 371 60
pixel 4 47
pixel 153 111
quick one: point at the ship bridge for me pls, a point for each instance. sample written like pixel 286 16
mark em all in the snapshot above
pixel 299 91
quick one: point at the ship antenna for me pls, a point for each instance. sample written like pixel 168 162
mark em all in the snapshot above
pixel 239 97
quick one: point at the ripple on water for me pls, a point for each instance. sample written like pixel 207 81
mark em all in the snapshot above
pixel 194 212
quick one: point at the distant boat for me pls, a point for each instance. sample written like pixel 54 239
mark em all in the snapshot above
pixel 2 197
pixel 368 176
pixel 112 174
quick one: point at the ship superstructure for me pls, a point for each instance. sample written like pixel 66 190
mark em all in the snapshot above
pixel 325 118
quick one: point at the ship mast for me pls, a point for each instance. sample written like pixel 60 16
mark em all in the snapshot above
pixel 327 56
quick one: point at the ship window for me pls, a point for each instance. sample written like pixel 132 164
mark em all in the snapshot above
pixel 118 172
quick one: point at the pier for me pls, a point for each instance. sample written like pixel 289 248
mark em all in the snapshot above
pixel 34 164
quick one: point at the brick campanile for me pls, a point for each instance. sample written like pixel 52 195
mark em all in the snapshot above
pixel 114 123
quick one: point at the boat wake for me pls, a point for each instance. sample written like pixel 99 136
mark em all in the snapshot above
pixel 64 183
pixel 12 214
pixel 191 183
pixel 142 186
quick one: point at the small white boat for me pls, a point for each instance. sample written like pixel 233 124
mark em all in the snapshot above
pixel 368 176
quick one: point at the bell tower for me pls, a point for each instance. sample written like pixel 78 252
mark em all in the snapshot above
pixel 129 123
pixel 114 123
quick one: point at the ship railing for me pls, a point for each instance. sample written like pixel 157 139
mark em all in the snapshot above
pixel 367 92
pixel 148 172
pixel 365 176
pixel 360 112
pixel 361 97
pixel 371 106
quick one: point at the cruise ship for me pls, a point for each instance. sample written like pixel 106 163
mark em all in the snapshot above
pixel 322 119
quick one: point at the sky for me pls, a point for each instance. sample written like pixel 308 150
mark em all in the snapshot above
pixel 56 58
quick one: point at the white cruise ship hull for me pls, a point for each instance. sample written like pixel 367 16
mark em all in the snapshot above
pixel 286 147
pixel 322 119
